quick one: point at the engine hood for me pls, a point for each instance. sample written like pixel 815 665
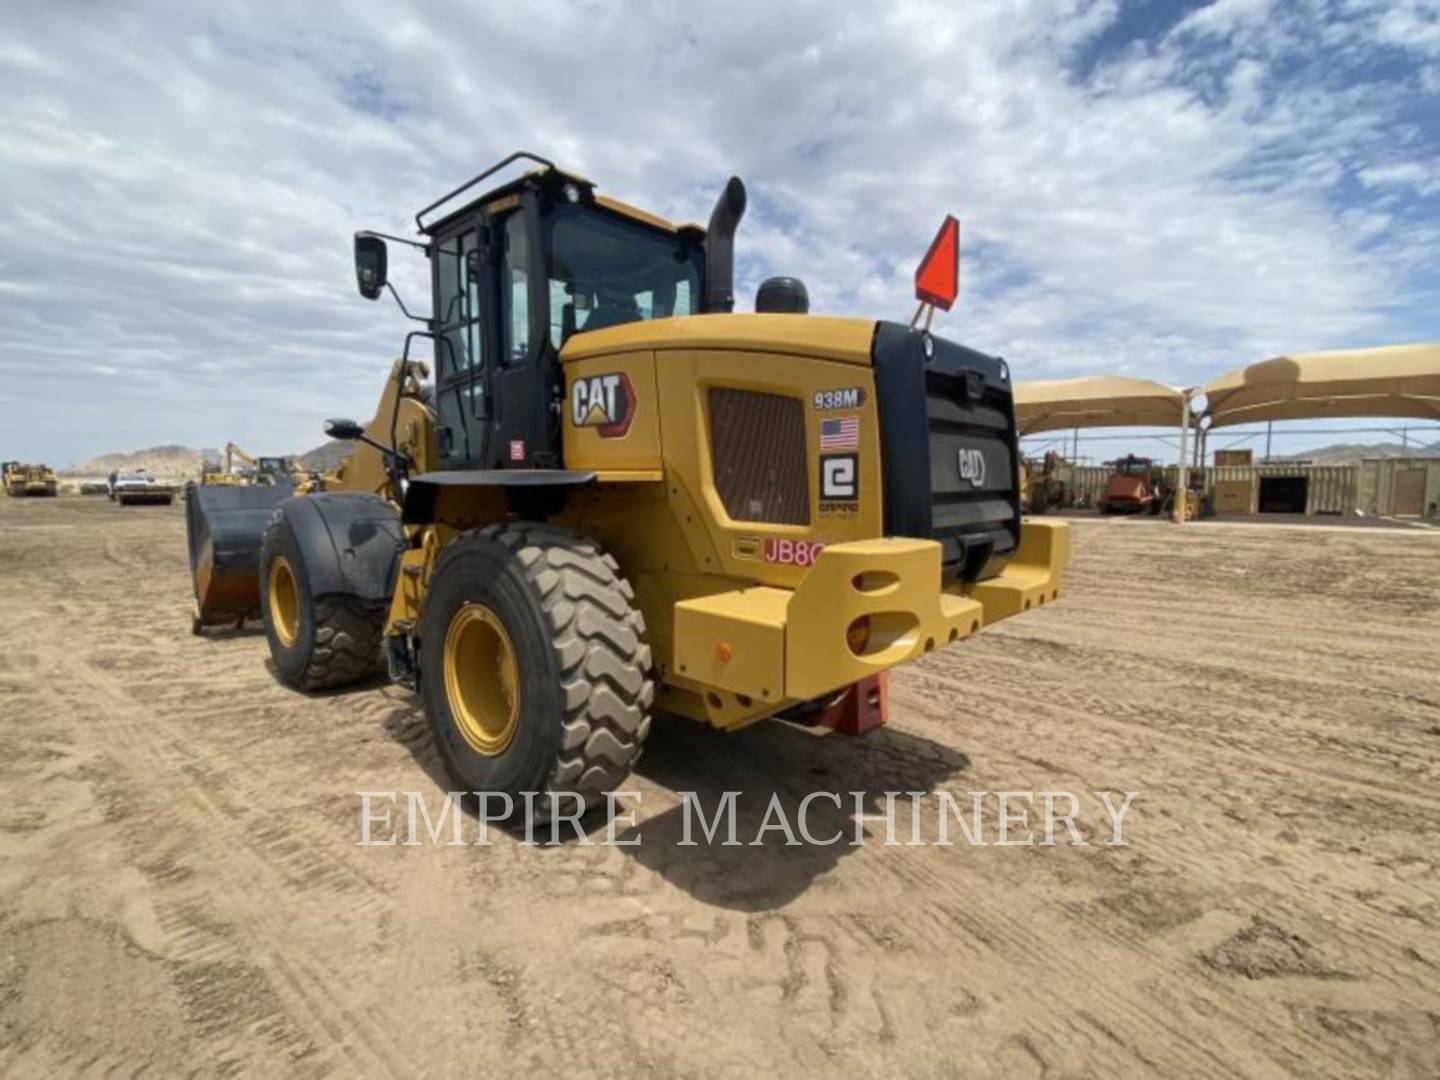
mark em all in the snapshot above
pixel 821 337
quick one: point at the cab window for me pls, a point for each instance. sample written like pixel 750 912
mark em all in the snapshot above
pixel 457 311
pixel 606 271
pixel 514 292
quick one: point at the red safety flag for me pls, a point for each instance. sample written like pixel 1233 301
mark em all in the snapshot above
pixel 938 278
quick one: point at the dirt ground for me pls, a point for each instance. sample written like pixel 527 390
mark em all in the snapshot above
pixel 182 891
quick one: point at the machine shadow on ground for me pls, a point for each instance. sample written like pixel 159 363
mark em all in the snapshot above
pixel 218 635
pixel 771 760
pixel 378 681
pixel 781 762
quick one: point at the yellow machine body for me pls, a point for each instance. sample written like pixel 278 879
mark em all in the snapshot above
pixel 734 467
pixel 745 618
pixel 23 480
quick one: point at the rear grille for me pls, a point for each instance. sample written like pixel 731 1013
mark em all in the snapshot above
pixel 949 450
pixel 757 447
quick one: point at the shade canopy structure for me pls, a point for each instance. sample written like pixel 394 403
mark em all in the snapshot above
pixel 1392 380
pixel 1096 401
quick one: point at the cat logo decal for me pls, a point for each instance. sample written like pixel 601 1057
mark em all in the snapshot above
pixel 604 402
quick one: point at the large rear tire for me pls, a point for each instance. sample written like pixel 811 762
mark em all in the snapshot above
pixel 534 669
pixel 316 642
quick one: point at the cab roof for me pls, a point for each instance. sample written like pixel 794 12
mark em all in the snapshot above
pixel 555 178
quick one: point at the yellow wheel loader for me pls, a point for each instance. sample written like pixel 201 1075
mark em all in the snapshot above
pixel 212 474
pixel 620 499
pixel 253 470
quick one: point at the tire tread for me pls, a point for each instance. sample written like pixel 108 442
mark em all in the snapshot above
pixel 347 642
pixel 599 646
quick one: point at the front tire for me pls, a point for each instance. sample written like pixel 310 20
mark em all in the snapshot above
pixel 316 642
pixel 534 669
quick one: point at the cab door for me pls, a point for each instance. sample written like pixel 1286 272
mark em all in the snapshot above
pixel 462 347
pixel 525 380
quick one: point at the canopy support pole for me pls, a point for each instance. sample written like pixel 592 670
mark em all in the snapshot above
pixel 1182 486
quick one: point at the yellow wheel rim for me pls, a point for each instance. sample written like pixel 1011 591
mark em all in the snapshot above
pixel 482 681
pixel 284 601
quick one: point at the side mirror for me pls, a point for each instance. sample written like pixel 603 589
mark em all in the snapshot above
pixel 343 429
pixel 371 264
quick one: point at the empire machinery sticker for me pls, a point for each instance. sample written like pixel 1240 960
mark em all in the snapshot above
pixel 604 402
pixel 839 485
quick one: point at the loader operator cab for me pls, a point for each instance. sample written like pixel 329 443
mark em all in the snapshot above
pixel 1134 466
pixel 516 273
pixel 272 470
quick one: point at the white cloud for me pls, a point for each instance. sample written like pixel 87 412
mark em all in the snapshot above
pixel 1224 17
pixel 182 184
pixel 1410 24
pixel 1422 177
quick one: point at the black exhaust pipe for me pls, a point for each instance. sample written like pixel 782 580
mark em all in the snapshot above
pixel 720 248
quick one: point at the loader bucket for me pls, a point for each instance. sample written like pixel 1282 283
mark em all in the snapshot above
pixel 225 526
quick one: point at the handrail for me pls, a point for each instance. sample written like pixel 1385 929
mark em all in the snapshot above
pixel 420 224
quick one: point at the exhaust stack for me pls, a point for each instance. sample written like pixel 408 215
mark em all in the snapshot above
pixel 720 248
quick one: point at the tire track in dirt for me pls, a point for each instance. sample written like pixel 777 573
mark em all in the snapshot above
pixel 313 989
pixel 1267 918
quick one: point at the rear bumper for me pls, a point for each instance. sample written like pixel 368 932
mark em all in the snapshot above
pixel 767 646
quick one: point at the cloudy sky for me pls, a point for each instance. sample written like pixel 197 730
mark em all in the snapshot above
pixel 1164 189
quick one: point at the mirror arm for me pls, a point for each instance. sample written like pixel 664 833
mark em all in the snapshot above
pixel 404 310
pixel 424 249
pixel 398 239
pixel 388 451
pixel 398 464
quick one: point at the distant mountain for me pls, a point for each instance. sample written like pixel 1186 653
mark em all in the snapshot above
pixel 1343 453
pixel 327 458
pixel 166 462
pixel 183 462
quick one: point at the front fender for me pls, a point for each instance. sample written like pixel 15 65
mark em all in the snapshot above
pixel 350 543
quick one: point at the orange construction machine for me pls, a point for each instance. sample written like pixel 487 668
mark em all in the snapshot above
pixel 1133 487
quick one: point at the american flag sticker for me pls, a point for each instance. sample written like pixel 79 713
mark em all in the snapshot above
pixel 841 433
